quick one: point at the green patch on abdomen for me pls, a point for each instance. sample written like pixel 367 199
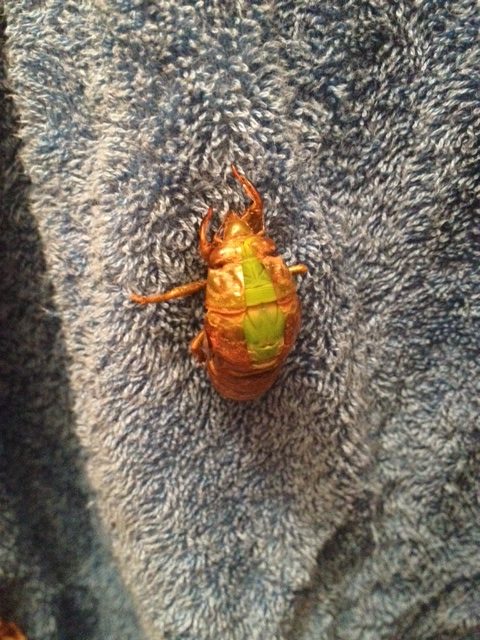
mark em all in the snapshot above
pixel 264 322
pixel 263 327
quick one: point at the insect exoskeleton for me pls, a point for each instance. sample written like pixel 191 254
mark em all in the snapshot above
pixel 252 309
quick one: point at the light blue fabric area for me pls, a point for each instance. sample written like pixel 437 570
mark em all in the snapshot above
pixel 343 504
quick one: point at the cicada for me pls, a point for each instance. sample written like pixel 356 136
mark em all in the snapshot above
pixel 252 314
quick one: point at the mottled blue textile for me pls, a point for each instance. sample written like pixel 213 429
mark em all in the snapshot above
pixel 136 502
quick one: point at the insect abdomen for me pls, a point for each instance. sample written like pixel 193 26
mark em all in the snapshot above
pixel 252 328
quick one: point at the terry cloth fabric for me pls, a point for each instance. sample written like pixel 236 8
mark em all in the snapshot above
pixel 136 502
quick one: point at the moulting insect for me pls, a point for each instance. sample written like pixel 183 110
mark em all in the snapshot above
pixel 10 631
pixel 252 310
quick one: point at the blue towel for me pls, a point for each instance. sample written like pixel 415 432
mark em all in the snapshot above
pixel 137 503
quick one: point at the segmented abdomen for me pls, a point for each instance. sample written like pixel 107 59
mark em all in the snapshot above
pixel 252 320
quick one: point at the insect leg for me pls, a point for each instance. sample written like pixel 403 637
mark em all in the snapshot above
pixel 196 346
pixel 298 269
pixel 177 292
pixel 253 215
pixel 204 245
